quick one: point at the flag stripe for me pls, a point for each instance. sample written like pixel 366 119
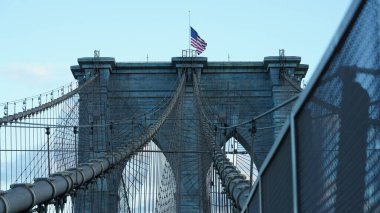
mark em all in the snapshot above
pixel 197 42
pixel 196 45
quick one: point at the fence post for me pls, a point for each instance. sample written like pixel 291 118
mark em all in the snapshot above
pixel 294 162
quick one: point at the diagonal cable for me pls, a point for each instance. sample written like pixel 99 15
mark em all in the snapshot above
pixel 235 183
pixel 60 184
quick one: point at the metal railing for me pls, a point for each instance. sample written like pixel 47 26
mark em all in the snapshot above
pixel 326 158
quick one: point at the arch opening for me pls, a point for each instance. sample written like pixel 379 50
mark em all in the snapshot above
pixel 218 198
pixel 241 158
pixel 147 182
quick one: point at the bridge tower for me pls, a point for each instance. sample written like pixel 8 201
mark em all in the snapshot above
pixel 236 91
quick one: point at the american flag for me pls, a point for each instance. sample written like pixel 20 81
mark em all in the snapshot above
pixel 197 41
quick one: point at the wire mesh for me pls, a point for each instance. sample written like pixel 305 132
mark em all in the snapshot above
pixel 338 126
pixel 255 206
pixel 337 141
pixel 276 181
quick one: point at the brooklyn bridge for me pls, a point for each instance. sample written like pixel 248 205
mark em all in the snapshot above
pixel 192 135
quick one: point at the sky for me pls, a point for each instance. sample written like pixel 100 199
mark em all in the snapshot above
pixel 41 39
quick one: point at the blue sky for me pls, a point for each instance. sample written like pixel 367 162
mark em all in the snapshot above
pixel 40 39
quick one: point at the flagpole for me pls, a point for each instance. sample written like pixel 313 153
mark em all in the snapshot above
pixel 189 32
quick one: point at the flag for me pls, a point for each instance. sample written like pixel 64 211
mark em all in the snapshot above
pixel 197 41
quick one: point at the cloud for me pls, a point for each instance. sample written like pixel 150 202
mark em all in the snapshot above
pixel 27 72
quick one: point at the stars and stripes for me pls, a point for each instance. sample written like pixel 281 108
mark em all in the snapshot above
pixel 197 42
